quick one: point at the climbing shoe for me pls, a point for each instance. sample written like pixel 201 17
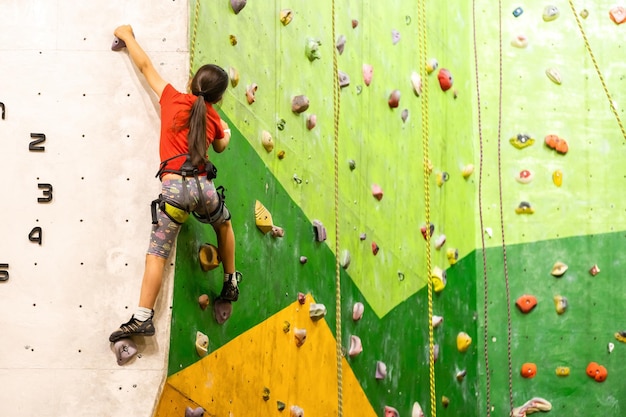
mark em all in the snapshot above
pixel 133 327
pixel 230 290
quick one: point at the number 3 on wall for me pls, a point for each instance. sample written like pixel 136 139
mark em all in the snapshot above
pixel 47 193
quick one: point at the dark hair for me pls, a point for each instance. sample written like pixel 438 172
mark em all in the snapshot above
pixel 208 85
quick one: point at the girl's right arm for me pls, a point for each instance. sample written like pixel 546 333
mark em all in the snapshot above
pixel 141 59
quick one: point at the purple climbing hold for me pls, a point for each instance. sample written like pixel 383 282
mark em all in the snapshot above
pixel 125 350
pixel 237 5
pixel 356 346
pixel 118 44
pixel 395 36
pixel 303 260
pixel 381 370
pixel 191 412
pixel 320 231
pixel 341 43
pixel 223 309
pixel 344 79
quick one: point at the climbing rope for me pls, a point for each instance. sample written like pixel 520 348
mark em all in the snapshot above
pixel 336 108
pixel 480 215
pixel 423 51
pixel 194 32
pixel 504 259
pixel 595 65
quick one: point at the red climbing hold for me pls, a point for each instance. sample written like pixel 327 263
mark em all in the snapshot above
pixel 445 79
pixel 375 248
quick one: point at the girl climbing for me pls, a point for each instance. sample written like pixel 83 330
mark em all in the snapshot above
pixel 189 125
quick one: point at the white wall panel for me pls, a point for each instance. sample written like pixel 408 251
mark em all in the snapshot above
pixel 64 297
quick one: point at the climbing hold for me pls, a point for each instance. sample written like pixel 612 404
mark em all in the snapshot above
pixel 453 255
pixel 524 208
pixel 340 44
pixel 460 376
pixel 618 14
pixel 125 350
pixel 118 44
pixel 202 344
pixel 317 311
pixel 375 248
pixel 203 301
pixel 345 259
pixel 280 405
pixel 437 320
pixel 431 65
pixel 445 401
pixel 208 257
pixel 352 164
pixel 368 72
pixel 442 177
pixel 237 5
pixel 311 121
pixel 266 394
pixel 357 311
pixel 526 303
pixel 381 370
pixel 377 192
pixel 438 277
pixel 296 411
pixel 280 125
pixel 595 270
pixel 320 231
pixel 560 303
pixel 584 13
pixel 489 232
pixel 610 346
pixel 550 13
pixel 531 406
pixel 303 260
pixel 394 99
pixel 286 326
pixel 559 269
pixel 597 372
pixel 355 23
pixel 416 83
pixel 467 171
pixel 251 93
pixel 355 346
pixel 391 412
pixel 621 336
pixel 522 141
pixel 554 75
pixel 404 115
pixel 300 336
pixel 263 217
pixel 233 74
pixel 286 15
pixel 445 79
pixel 277 231
pixel 435 352
pixel 557 177
pixel 222 309
pixel 557 143
pixel 301 298
pixel 363 236
pixel 233 40
pixel 416 411
pixel 524 176
pixel 194 412
pixel 529 370
pixel 312 49
pixel 517 12
pixel 395 36
pixel 463 342
pixel 344 79
pixel 299 104
pixel 440 241
pixel 427 233
pixel 562 371
pixel 519 41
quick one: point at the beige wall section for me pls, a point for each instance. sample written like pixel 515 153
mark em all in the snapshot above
pixel 59 77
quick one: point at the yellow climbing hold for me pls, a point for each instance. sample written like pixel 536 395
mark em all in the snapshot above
pixel 562 370
pixel 439 279
pixel 557 177
pixel 463 341
pixel 263 217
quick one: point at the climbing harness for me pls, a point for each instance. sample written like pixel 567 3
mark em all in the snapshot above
pixel 597 68
pixel 480 211
pixel 179 212
pixel 338 309
pixel 423 55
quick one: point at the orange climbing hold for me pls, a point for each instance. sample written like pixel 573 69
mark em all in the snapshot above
pixel 597 371
pixel 526 303
pixel 529 370
pixel 557 143
pixel 618 15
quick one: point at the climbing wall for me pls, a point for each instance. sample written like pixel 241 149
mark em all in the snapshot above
pixel 379 145
pixel 550 87
pixel 78 140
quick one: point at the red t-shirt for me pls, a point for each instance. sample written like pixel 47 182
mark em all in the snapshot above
pixel 175 108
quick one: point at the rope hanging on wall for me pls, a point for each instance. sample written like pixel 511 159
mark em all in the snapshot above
pixel 194 32
pixel 423 55
pixel 597 68
pixel 336 110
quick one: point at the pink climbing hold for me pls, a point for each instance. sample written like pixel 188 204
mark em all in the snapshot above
pixel 381 370
pixel 223 310
pixel 125 350
pixel 118 44
pixel 301 298
pixel 311 121
pixel 391 412
pixel 377 192
pixel 368 72
pixel 394 99
pixel 357 311
pixel 375 248
pixel 356 346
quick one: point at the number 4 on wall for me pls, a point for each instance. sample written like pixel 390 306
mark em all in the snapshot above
pixel 36 235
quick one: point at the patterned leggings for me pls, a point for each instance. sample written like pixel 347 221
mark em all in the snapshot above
pixel 164 233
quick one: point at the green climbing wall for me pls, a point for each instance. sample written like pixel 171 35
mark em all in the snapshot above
pixel 571 223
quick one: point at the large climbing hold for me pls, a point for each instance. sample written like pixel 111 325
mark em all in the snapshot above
pixel 263 218
pixel 618 14
pixel 531 406
pixel 597 372
pixel 320 231
pixel 317 311
pixel 208 257
pixel 194 412
pixel 125 350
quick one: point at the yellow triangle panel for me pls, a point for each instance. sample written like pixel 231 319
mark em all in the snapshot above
pixel 265 361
